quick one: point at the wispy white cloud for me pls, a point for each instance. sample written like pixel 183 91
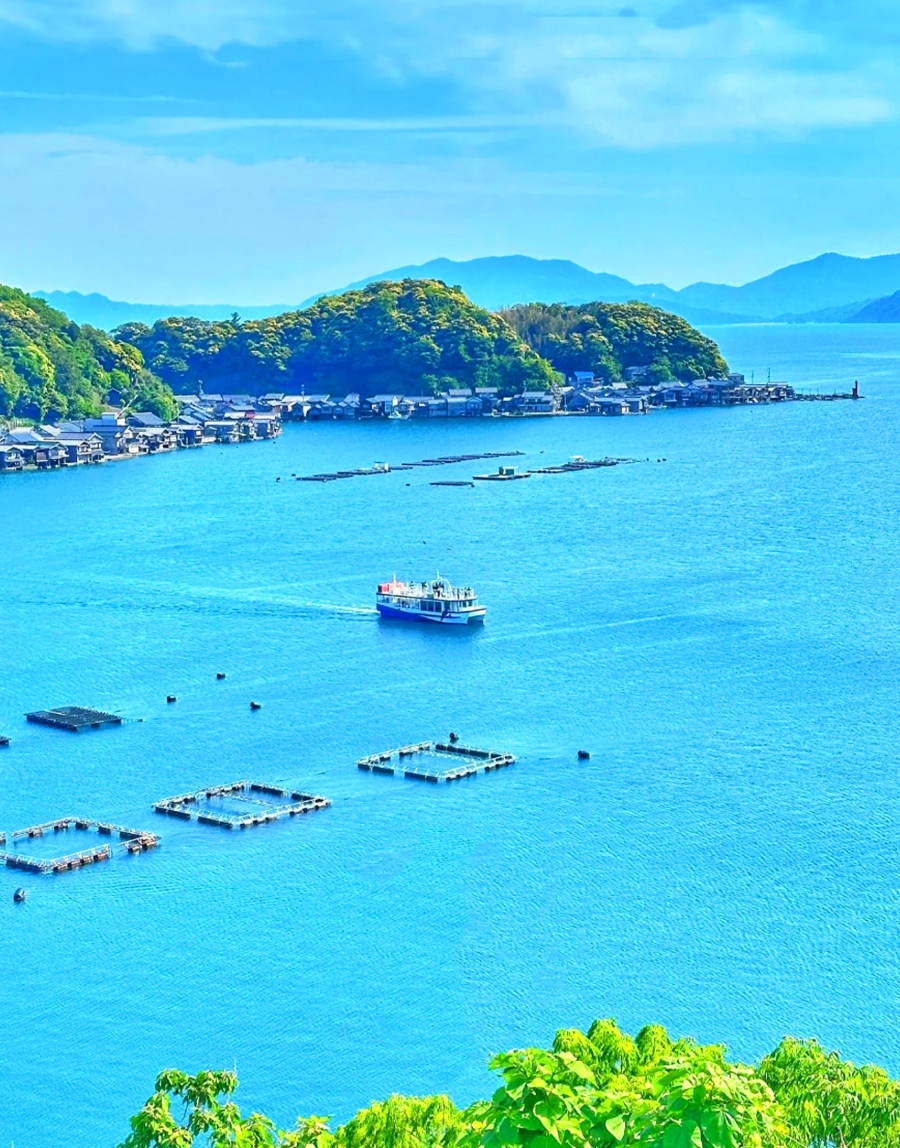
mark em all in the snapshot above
pixel 692 71
pixel 204 125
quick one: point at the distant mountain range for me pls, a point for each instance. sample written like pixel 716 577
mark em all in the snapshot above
pixel 831 288
pixel 803 292
pixel 99 311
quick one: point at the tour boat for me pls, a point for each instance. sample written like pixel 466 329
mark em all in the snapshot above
pixel 435 601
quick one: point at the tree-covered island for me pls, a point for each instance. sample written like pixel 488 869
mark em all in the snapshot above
pixel 419 336
pixel 600 1089
pixel 414 348
pixel 416 337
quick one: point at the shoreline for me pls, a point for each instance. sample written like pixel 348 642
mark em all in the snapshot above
pixel 26 453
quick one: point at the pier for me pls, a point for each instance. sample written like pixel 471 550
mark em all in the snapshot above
pixel 467 761
pixel 73 718
pixel 290 803
pixel 130 841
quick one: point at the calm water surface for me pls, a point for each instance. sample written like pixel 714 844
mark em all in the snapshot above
pixel 719 629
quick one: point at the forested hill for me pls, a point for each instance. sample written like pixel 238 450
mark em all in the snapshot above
pixel 51 368
pixel 415 336
pixel 885 310
pixel 607 337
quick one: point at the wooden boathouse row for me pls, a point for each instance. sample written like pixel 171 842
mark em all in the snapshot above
pixel 292 803
pixel 475 761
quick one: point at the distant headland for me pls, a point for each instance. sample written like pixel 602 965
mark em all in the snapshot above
pixel 410 349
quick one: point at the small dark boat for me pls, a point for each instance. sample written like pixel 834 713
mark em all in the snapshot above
pixel 583 755
pixel 220 677
pixel 19 896
pixel 170 698
pixel 255 706
pixel 454 737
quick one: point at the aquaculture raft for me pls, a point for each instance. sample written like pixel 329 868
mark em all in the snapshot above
pixel 73 718
pixel 131 841
pixel 193 805
pixel 397 761
pixel 386 468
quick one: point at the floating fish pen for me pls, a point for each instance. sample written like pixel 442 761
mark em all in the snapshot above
pixel 73 718
pixel 386 468
pixel 451 484
pixel 131 841
pixel 474 761
pixel 290 803
pixel 576 463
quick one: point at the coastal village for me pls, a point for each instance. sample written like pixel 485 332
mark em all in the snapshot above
pixel 239 418
pixel 582 394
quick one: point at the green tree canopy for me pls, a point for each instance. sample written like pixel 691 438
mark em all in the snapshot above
pixel 600 1089
pixel 416 336
pixel 608 337
pixel 51 368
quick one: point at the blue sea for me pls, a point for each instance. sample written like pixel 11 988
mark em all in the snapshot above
pixel 719 629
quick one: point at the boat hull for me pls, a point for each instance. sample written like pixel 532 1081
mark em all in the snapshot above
pixel 449 619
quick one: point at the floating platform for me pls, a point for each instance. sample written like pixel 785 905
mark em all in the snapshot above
pixel 504 474
pixel 474 761
pixel 386 468
pixel 130 841
pixel 73 718
pixel 290 803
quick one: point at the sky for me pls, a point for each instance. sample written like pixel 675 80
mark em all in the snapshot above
pixel 258 151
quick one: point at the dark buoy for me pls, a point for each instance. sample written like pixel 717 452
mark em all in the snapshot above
pixel 220 677
pixel 19 896
pixel 255 706
pixel 583 755
pixel 454 737
pixel 170 698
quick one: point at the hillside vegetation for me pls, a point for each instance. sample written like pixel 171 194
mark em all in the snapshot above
pixel 417 336
pixel 600 1089
pixel 607 337
pixel 51 368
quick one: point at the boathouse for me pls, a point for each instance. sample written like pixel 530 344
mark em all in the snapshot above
pixel 536 402
pixel 82 446
pixel 11 458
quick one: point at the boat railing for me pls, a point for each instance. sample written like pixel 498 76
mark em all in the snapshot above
pixel 426 590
